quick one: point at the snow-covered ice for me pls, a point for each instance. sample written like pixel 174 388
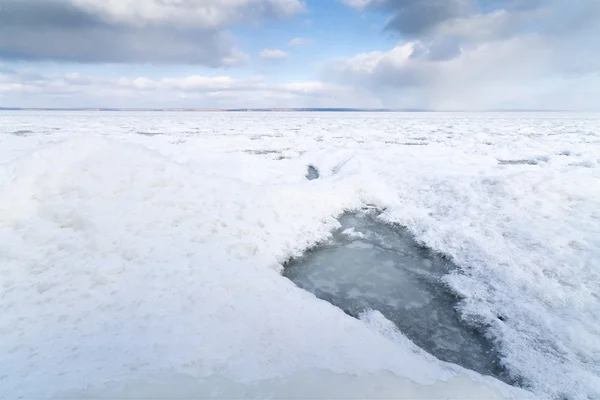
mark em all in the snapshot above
pixel 143 251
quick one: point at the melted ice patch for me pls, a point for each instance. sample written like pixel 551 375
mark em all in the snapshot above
pixel 371 265
pixel 312 173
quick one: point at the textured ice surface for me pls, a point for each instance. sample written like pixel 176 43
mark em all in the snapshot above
pixel 125 255
pixel 370 265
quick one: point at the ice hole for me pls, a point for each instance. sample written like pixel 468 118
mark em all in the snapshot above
pixel 369 264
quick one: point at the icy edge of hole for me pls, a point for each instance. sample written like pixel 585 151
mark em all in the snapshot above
pixel 371 264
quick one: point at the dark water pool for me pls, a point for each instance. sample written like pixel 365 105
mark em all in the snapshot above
pixel 371 265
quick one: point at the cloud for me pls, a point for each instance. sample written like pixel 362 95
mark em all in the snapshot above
pixel 194 83
pixel 274 54
pixel 443 29
pixel 456 54
pixel 131 31
pixel 520 72
pixel 416 17
pixel 478 21
pixel 383 70
pixel 4 69
pixel 197 13
pixel 299 42
pixel 360 4
pixel 28 88
pixel 451 54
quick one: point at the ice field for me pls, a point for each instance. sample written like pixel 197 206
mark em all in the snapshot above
pixel 147 254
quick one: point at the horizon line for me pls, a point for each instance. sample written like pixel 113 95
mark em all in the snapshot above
pixel 277 109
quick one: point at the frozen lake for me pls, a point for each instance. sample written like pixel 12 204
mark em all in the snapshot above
pixel 145 251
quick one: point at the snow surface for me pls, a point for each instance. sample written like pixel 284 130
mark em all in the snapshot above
pixel 143 251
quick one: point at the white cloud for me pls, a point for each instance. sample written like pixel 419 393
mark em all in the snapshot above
pixel 305 87
pixel 193 83
pixel 368 63
pixel 274 54
pixel 299 42
pixel 235 57
pixel 77 90
pixel 360 4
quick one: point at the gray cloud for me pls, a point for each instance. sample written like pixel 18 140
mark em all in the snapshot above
pixel 514 4
pixel 418 17
pixel 439 50
pixel 444 29
pixel 80 31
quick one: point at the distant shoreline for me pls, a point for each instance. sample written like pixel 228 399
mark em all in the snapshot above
pixel 416 110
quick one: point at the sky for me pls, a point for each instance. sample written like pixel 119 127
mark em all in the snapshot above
pixel 401 54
